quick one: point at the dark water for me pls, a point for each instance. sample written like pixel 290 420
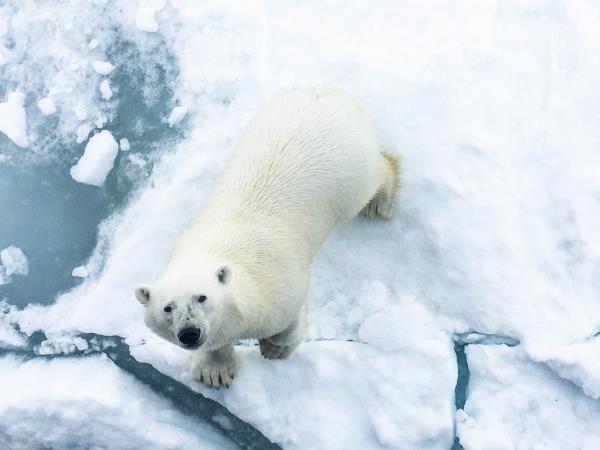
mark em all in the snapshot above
pixel 54 219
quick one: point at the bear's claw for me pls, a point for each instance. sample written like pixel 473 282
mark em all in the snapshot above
pixel 215 370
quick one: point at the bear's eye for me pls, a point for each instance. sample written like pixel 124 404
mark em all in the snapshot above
pixel 199 298
pixel 168 309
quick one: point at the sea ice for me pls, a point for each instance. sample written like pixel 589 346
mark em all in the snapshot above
pixel 13 119
pixel 103 67
pixel 47 106
pixel 97 160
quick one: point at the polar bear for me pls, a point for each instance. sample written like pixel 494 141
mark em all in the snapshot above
pixel 306 162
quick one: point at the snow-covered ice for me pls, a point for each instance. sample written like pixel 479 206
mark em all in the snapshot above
pixel 47 106
pixel 13 118
pixel 105 90
pixel 103 67
pixel 493 107
pixel 97 160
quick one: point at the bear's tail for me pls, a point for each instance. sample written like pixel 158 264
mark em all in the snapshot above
pixel 384 201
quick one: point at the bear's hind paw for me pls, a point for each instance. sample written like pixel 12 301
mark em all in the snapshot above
pixel 274 351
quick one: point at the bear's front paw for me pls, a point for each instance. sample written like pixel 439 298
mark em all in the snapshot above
pixel 215 369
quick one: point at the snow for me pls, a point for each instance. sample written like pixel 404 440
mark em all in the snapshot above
pixel 97 160
pixel 145 21
pixel 14 261
pixel 124 144
pixel 80 272
pixel 13 119
pixel 493 107
pixel 78 402
pixel 47 106
pixel 105 90
pixel 516 403
pixel 103 67
pixel 177 115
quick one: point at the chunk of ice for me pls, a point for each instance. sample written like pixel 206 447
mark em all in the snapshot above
pixel 93 44
pixel 97 160
pixel 47 106
pixel 105 90
pixel 103 67
pixel 177 115
pixel 14 261
pixel 124 144
pixel 80 272
pixel 13 119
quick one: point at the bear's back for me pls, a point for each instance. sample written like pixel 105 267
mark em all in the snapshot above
pixel 310 152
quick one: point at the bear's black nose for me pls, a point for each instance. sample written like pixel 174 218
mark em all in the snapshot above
pixel 189 336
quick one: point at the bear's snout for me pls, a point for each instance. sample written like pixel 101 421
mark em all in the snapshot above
pixel 189 337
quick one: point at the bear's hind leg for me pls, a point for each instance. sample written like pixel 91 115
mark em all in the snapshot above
pixel 282 345
pixel 215 368
pixel 383 202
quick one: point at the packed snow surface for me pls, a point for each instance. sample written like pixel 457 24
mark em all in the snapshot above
pixel 72 403
pixel 494 110
pixel 13 119
pixel 97 160
pixel 516 403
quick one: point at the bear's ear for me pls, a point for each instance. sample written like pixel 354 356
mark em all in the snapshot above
pixel 142 293
pixel 223 274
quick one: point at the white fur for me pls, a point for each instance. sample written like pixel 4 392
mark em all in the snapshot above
pixel 308 161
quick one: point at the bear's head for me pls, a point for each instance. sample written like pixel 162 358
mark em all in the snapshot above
pixel 190 309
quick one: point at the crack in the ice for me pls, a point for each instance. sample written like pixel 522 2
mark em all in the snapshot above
pixel 461 342
pixel 184 399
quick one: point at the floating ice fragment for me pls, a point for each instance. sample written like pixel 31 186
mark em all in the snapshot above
pixel 80 272
pixel 145 20
pixel 47 106
pixel 105 90
pixel 177 115
pixel 93 44
pixel 13 119
pixel 97 160
pixel 124 144
pixel 83 131
pixel 103 67
pixel 14 261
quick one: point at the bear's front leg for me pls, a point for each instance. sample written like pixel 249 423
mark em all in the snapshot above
pixel 215 368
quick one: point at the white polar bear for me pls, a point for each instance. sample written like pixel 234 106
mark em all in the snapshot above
pixel 306 162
